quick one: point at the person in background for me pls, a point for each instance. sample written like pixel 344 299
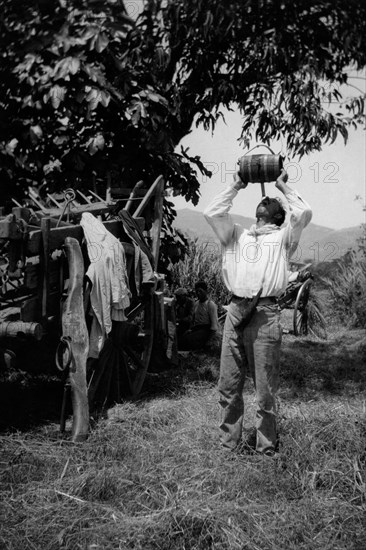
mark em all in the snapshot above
pixel 255 270
pixel 184 309
pixel 205 321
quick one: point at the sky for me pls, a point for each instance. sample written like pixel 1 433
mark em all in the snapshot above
pixel 329 180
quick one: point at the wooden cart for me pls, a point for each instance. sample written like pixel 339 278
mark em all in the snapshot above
pixel 45 294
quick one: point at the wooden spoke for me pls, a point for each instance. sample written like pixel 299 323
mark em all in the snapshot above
pixel 137 353
pixel 300 316
pixel 133 359
pixel 135 312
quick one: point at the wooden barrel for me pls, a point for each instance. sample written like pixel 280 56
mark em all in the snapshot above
pixel 260 168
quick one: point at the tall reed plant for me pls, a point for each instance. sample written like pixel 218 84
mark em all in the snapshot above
pixel 202 262
pixel 347 287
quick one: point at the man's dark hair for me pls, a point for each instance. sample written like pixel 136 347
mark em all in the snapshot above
pixel 276 210
pixel 201 284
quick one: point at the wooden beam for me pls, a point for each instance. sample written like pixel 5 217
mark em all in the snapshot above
pixel 32 274
pixel 76 212
pixel 133 195
pixel 58 235
pixel 44 266
pixel 30 309
pixel 148 196
pixel 74 331
pixel 11 229
pixel 157 221
pixel 125 192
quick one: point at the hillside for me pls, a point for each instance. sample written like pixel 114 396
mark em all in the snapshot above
pixel 318 243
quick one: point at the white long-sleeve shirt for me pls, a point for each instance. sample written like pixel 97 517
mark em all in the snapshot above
pixel 253 260
pixel 107 272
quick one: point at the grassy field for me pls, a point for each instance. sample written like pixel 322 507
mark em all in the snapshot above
pixel 151 475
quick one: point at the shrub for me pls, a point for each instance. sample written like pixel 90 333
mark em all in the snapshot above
pixel 347 286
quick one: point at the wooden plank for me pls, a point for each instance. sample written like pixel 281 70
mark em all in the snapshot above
pixel 32 274
pixel 133 195
pixel 76 211
pixel 56 240
pixel 22 212
pixel 58 235
pixel 30 309
pixel 157 221
pixel 125 192
pixel 11 229
pixel 74 329
pixel 32 271
pixel 171 329
pixel 44 260
pixel 148 196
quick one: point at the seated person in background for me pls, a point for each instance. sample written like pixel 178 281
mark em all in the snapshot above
pixel 205 321
pixel 184 308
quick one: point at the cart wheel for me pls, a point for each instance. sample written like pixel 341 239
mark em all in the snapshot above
pixel 300 317
pixel 135 346
pixel 121 368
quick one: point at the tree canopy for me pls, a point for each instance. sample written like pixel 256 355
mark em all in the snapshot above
pixel 88 93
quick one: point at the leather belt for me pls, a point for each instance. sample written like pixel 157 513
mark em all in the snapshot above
pixel 261 300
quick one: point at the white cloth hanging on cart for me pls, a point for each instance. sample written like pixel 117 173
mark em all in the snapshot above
pixel 110 294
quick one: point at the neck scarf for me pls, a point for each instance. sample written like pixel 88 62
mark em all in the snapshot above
pixel 256 231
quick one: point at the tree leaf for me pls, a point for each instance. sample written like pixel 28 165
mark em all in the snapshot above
pixel 96 144
pixel 93 98
pixel 105 98
pixel 57 95
pixel 101 42
pixel 74 65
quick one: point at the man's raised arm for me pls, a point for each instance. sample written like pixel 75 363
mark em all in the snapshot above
pixel 300 212
pixel 217 212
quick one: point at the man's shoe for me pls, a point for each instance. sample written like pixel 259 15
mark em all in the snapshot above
pixel 271 453
pixel 249 442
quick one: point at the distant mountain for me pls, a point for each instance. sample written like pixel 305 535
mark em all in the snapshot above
pixel 336 243
pixel 317 243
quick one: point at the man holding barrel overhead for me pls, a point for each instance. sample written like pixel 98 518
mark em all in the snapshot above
pixel 255 270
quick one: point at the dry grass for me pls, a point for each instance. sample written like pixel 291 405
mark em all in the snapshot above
pixel 151 475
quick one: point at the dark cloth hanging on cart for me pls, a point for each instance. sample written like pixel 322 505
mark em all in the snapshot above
pixel 134 232
pixel 143 258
